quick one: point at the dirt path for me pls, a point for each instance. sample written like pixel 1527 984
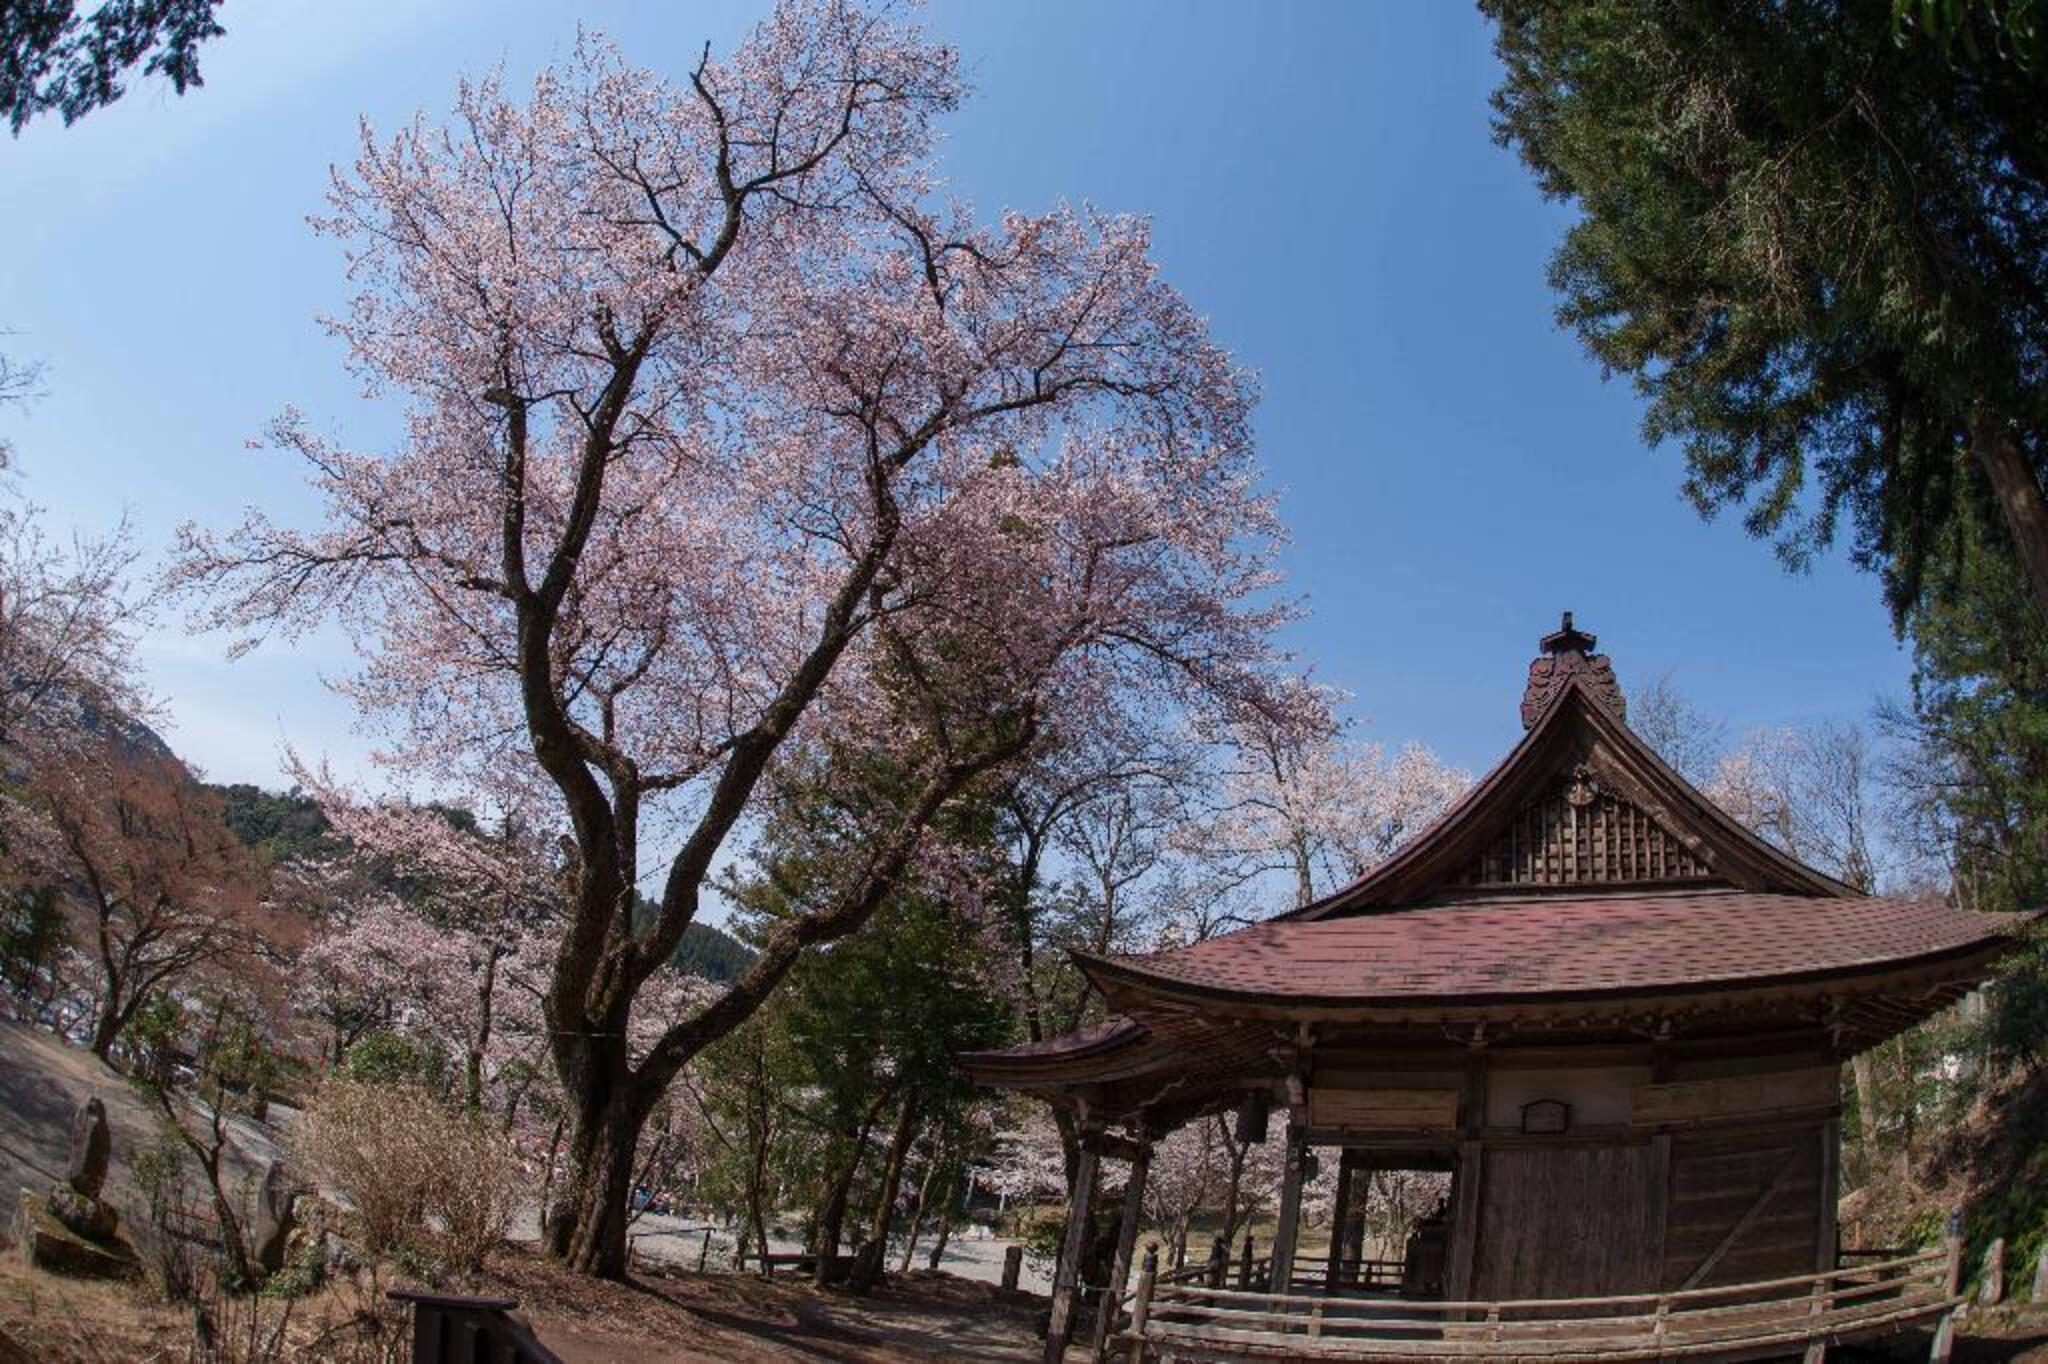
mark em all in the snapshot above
pixel 685 1318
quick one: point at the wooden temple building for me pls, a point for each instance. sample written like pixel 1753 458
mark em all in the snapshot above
pixel 1615 1017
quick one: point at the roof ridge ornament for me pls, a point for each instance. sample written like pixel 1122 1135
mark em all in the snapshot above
pixel 1567 656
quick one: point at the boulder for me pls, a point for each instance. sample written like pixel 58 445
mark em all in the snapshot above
pixel 89 1217
pixel 48 1244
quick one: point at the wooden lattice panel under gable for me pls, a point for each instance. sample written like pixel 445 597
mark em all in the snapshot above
pixel 1584 834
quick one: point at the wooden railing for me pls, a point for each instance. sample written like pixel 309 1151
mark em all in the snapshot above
pixel 1350 1274
pixel 1791 1312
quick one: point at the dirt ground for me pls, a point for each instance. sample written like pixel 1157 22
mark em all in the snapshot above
pixel 673 1319
pixel 682 1319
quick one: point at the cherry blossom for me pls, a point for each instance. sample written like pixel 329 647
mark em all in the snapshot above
pixel 725 432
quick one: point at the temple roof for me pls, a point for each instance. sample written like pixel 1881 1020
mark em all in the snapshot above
pixel 1493 951
pixel 1580 804
pixel 1581 879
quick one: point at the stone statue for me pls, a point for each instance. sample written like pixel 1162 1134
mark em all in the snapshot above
pixel 274 1221
pixel 76 1202
pixel 87 1171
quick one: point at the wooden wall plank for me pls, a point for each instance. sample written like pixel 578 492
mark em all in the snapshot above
pixel 1690 1101
pixel 1567 1222
pixel 1425 1110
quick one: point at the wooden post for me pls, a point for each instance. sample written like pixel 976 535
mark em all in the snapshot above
pixel 1340 1214
pixel 1289 1225
pixel 1219 1262
pixel 1827 1234
pixel 1013 1265
pixel 704 1251
pixel 1244 1265
pixel 1126 1241
pixel 1952 1280
pixel 1817 1346
pixel 1066 1283
pixel 1991 1289
pixel 1465 1184
pixel 1141 1306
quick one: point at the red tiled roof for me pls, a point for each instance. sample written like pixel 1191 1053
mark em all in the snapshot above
pixel 1548 947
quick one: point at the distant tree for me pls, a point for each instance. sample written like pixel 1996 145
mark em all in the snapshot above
pixel 1816 791
pixel 286 826
pixel 55 59
pixel 69 616
pixel 33 935
pixel 167 890
pixel 1822 254
pixel 719 440
pixel 1683 734
pixel 1319 810
pixel 712 953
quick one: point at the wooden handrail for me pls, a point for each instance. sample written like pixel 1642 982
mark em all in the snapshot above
pixel 1803 1282
pixel 1678 1323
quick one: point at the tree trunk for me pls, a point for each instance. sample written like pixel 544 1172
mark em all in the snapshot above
pixel 832 1211
pixel 587 1231
pixel 870 1267
pixel 954 1198
pixel 547 1183
pixel 924 1190
pixel 473 1065
pixel 106 1028
pixel 1865 1076
pixel 2018 490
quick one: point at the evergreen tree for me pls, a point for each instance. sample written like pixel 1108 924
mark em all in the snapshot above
pixel 1820 252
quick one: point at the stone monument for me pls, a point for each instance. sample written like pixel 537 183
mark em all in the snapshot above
pixel 73 1230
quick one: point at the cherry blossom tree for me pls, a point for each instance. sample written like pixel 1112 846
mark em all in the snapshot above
pixel 1315 808
pixel 720 435
pixel 68 620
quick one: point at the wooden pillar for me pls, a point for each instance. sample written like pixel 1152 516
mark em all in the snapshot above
pixel 1465 1187
pixel 1126 1242
pixel 1829 1235
pixel 1066 1283
pixel 1289 1225
pixel 1952 1283
pixel 1340 1223
pixel 1660 1167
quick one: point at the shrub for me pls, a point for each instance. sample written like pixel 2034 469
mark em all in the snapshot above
pixel 391 1058
pixel 403 1159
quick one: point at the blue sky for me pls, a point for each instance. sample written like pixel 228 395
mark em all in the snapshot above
pixel 1323 187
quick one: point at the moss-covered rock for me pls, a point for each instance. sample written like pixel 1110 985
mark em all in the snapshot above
pixel 48 1244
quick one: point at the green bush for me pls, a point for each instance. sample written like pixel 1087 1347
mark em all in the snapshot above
pixel 392 1058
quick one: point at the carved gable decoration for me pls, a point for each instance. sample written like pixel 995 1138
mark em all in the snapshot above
pixel 1547 677
pixel 1583 834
